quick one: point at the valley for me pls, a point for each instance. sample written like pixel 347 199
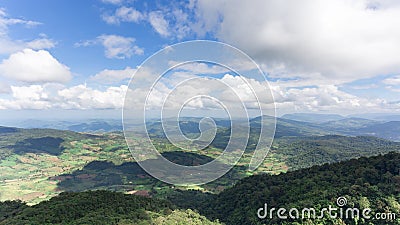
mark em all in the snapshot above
pixel 39 164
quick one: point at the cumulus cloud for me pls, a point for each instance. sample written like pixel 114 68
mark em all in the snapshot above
pixel 34 66
pixel 41 43
pixel 30 97
pixel 82 97
pixel 328 41
pixel 113 76
pixel 344 40
pixel 115 46
pixel 8 46
pixel 119 47
pixel 327 98
pixel 319 98
pixel 47 96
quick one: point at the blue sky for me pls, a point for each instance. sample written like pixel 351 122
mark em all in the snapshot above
pixel 319 56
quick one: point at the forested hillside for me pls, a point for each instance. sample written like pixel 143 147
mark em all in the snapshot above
pixel 98 207
pixel 365 183
pixel 372 183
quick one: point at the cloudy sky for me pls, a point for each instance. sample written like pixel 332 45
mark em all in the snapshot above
pixel 339 56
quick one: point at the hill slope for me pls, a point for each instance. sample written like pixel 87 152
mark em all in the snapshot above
pixel 372 183
pixel 312 117
pixel 365 183
pixel 98 207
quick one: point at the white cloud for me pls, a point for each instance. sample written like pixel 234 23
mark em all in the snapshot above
pixel 339 40
pixel 115 2
pixel 82 97
pixel 123 14
pixel 169 21
pixel 325 98
pixel 159 23
pixel 56 96
pixel 115 46
pixel 179 87
pixel 113 76
pixel 364 87
pixel 119 47
pixel 41 43
pixel 392 81
pixel 199 67
pixel 32 92
pixel 30 97
pixel 34 66
pixel 182 25
pixel 393 89
pixel 8 45
pixel 6 21
pixel 320 98
pixel 4 88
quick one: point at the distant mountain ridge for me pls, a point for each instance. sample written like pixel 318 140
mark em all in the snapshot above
pixel 299 124
pixel 96 125
pixel 313 117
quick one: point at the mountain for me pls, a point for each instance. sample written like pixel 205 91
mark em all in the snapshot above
pixel 287 127
pixel 359 183
pixel 349 124
pixel 96 126
pixel 99 207
pixel 386 117
pixel 284 127
pixel 312 117
pixel 366 127
pixel 300 124
pixel 73 125
pixel 35 123
pixel 365 183
pixel 302 152
pixel 389 130
pixel 37 164
pixel 29 157
pixel 21 141
pixel 4 130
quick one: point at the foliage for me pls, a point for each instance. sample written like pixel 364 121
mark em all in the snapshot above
pixel 91 207
pixel 373 182
pixel 187 217
pixel 11 208
pixel 308 151
pixel 99 207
